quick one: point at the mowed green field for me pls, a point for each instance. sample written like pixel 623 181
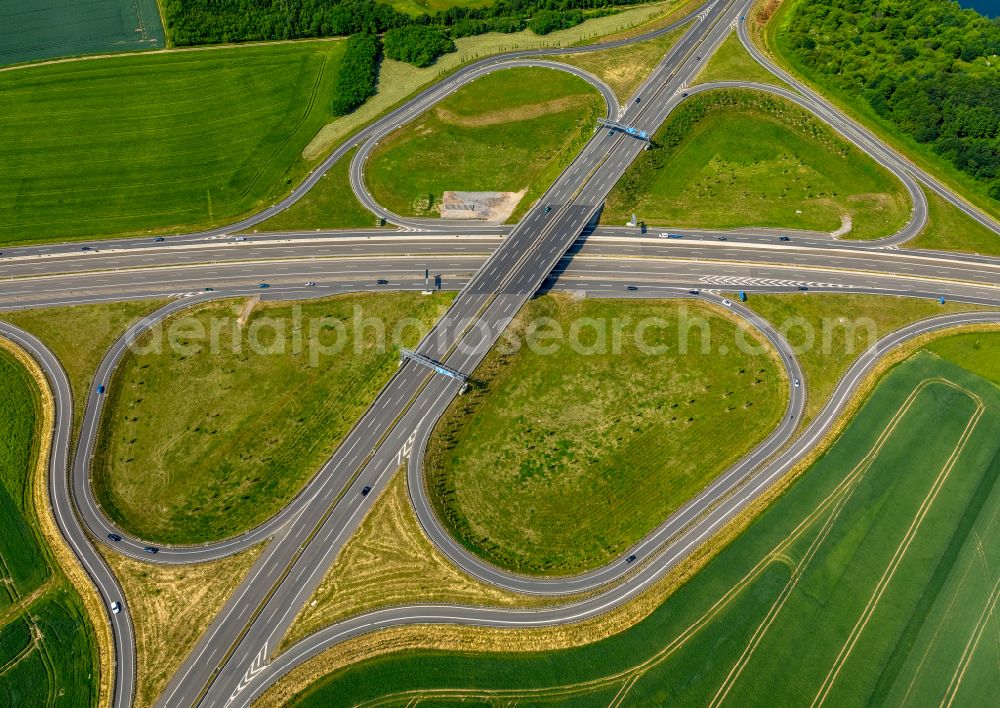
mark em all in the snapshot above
pixel 509 131
pixel 47 654
pixel 739 159
pixel 871 581
pixel 330 204
pixel 563 459
pixel 31 30
pixel 157 142
pixel 213 434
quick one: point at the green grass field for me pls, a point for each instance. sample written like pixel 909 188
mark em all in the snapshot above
pixel 870 581
pixel 829 330
pixel 731 62
pixel 80 336
pixel 622 439
pixel 624 68
pixel 948 229
pixel 509 131
pixel 330 204
pixel 738 159
pixel 157 142
pixel 47 654
pixel 32 30
pixel 200 441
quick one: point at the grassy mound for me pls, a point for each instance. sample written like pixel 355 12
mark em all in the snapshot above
pixel 740 159
pixel 564 459
pixel 509 131
pixel 201 441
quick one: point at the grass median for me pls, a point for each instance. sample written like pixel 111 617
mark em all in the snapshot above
pixel 828 331
pixel 735 158
pixel 568 452
pixel 510 131
pixel 217 419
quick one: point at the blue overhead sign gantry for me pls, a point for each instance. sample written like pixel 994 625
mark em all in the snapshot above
pixel 621 127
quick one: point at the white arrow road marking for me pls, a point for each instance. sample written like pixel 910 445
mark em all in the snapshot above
pixel 258 665
pixel 405 450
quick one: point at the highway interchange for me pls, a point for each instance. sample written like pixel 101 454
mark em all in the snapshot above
pixel 496 270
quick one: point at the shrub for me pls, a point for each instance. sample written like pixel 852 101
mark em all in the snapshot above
pixel 419 45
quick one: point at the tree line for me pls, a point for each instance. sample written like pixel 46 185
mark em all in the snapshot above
pixel 193 22
pixel 929 67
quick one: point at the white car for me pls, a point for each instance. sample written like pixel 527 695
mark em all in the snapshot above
pixel 116 607
pixel 796 382
pixel 310 284
pixel 727 303
pixel 240 238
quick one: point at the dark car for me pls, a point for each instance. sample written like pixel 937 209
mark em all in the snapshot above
pixel 784 238
pixel 637 99
pixel 209 290
pixel 547 208
pixel 100 389
pixel 114 537
pixel 264 285
pixel 694 292
pixel 631 287
pixel 684 94
pixel 151 549
pixel 382 281
pixel 158 239
pixel 630 558
pixel 364 492
pixel 723 238
pixel 85 248
pixel 803 287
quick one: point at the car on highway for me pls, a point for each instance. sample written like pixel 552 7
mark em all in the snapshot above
pixel 611 132
pixel 684 94
pixel 795 382
pixel 365 491
pixel 382 281
pixel 151 549
pixel 116 607
pixel 310 284
pixel 240 239
pixel 637 99
pixel 631 287
pixel 630 558
pixel 114 537
pixel 86 248
pixel 209 290
pixel 158 239
pixel 727 303
pixel 694 292
pixel 547 208
pixel 803 287
pixel 723 238
pixel 784 238
pixel 671 236
pixel 264 285
pixel 100 389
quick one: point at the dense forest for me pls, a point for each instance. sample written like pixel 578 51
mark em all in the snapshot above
pixel 419 45
pixel 928 66
pixel 358 76
pixel 191 22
